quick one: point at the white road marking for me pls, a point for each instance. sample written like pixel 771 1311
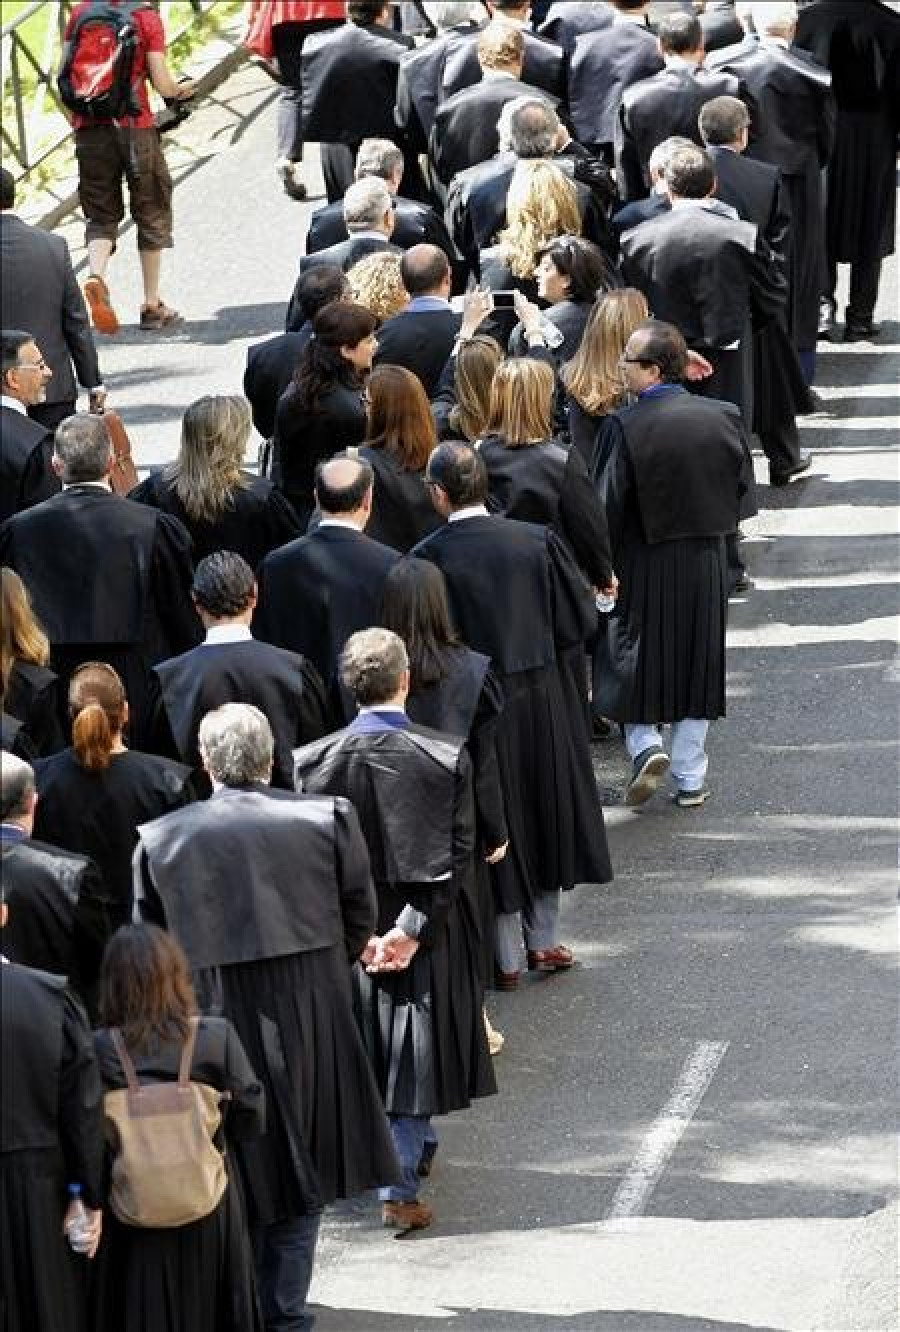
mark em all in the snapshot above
pixel 665 1133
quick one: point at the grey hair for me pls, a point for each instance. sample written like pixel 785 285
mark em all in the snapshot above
pixel 16 786
pixel 450 13
pixel 776 18
pixel 82 446
pixel 372 663
pixel 236 744
pixel 377 157
pixel 533 127
pixel 365 203
pixel 660 157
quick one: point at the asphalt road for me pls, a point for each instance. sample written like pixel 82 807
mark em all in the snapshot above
pixel 696 1127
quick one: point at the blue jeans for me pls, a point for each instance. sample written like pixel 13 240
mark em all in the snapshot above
pixel 689 761
pixel 411 1133
pixel 284 1253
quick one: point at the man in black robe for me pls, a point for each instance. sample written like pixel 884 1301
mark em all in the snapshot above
pixel 860 45
pixel 60 917
pixel 792 92
pixel 51 1137
pixel 534 632
pixel 230 666
pixel 26 446
pixel 316 591
pixel 602 66
pixel 667 103
pixel 421 1009
pixel 109 579
pixel 671 488
pixel 270 896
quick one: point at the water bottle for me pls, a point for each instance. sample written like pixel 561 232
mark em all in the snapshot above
pixel 78 1228
pixel 604 603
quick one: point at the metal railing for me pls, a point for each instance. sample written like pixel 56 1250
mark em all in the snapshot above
pixel 35 123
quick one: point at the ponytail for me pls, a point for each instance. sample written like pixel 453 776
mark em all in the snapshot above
pixel 97 708
pixel 92 738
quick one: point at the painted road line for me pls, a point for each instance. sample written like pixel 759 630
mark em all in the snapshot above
pixel 665 1133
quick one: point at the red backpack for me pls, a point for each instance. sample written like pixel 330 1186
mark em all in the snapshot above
pixel 95 78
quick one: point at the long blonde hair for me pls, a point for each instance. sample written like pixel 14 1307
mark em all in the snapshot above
pixel 214 434
pixel 593 376
pixel 21 636
pixel 476 364
pixel 522 402
pixel 542 204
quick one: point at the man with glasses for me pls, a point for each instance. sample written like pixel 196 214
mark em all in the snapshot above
pixel 25 445
pixel 672 490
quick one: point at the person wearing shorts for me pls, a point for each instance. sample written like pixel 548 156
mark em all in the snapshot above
pixel 113 154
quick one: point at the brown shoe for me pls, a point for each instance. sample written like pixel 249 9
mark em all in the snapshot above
pixel 406 1215
pixel 159 315
pixel 559 958
pixel 505 980
pixel 103 316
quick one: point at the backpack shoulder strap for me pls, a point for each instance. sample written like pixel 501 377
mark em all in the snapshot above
pixel 124 1059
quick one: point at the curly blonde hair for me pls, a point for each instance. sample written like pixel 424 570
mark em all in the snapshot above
pixel 375 282
pixel 542 204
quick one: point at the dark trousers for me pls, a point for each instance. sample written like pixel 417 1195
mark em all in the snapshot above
pixel 864 278
pixel 284 1253
pixel 49 414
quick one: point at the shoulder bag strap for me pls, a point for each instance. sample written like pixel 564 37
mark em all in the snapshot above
pixel 125 1060
pixel 187 1054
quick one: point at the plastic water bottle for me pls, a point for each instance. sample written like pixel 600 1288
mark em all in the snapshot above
pixel 78 1228
pixel 604 603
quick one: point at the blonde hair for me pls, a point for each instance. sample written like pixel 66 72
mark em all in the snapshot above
pixel 522 402
pixel 542 204
pixel 593 376
pixel 375 282
pixel 21 636
pixel 97 708
pixel 214 435
pixel 476 365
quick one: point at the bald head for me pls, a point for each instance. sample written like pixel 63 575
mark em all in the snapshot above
pixel 343 488
pixel 425 271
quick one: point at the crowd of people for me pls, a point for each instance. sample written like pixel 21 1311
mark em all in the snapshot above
pixel 297 761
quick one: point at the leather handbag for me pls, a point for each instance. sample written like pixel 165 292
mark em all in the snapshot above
pixel 123 476
pixel 167 1171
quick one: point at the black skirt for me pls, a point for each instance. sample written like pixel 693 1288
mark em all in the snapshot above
pixel 861 187
pixel 43 1282
pixel 423 1027
pixel 662 656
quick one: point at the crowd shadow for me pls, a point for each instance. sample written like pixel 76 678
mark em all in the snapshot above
pixel 465 1319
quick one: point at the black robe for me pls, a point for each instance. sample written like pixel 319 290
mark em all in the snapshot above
pixel 32 695
pixel 59 918
pixel 544 613
pixel 198 1277
pixel 669 510
pixel 25 475
pixel 51 1135
pixel 465 124
pixel 270 895
pixel 402 511
pixel 110 581
pixel 304 439
pixel 412 789
pixel 603 64
pixel 280 683
pixel 97 814
pixel 257 518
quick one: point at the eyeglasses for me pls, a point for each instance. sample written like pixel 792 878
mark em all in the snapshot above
pixel 635 360
pixel 32 365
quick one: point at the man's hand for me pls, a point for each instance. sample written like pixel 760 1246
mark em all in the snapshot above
pixel 477 305
pixel 611 589
pixel 368 953
pixel 698 367
pixel 393 952
pixel 497 854
pixel 97 401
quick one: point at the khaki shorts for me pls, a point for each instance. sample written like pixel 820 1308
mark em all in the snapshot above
pixel 106 156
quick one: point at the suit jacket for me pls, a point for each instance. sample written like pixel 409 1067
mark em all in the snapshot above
pixel 419 90
pixel 603 65
pixel 336 575
pixel 703 272
pixel 270 368
pixel 420 341
pixel 347 252
pixel 414 224
pixel 26 477
pixel 543 68
pixel 654 109
pixel 349 82
pixel 755 191
pixel 40 295
pixel 638 211
pixel 567 20
pixel 465 124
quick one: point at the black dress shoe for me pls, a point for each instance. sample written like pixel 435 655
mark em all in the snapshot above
pixel 741 585
pixel 860 330
pixel 784 478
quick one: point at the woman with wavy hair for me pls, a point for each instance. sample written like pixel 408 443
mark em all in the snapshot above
pixel 375 282
pixel 93 795
pixel 196 1277
pixel 223 506
pixel 322 412
pixel 29 688
pixel 400 435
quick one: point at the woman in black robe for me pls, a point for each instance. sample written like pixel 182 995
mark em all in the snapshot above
pixel 400 435
pixel 94 795
pixel 196 1277
pixel 29 688
pixel 221 505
